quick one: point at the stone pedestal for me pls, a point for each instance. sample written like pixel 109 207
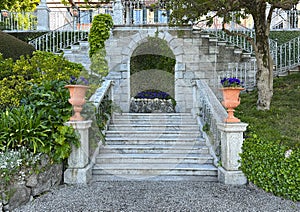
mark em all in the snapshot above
pixel 231 147
pixel 42 12
pixel 79 171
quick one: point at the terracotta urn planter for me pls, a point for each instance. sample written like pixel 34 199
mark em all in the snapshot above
pixel 230 101
pixel 77 100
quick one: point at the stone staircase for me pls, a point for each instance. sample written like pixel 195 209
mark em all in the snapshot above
pixel 79 53
pixel 154 147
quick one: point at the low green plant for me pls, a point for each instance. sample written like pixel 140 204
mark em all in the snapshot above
pixel 52 98
pixel 23 127
pixel 271 153
pixel 272 167
pixel 15 165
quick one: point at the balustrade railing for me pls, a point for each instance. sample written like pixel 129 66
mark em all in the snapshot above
pixel 209 112
pixel 63 37
pixel 287 56
pixel 18 21
pixel 103 100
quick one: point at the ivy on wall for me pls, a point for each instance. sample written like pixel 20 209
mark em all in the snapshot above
pixel 99 33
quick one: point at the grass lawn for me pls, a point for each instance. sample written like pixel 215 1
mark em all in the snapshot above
pixel 282 121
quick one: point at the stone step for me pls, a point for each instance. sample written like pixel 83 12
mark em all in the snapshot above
pixel 153 115
pixel 154 147
pixel 153 158
pixel 152 127
pixel 105 178
pixel 156 141
pixel 155 169
pixel 158 149
pixel 154 121
pixel 153 134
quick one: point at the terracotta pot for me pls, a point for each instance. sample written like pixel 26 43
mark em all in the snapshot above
pixel 230 101
pixel 77 100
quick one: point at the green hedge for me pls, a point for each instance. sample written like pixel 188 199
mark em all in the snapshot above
pixel 11 47
pixel 284 36
pixel 272 167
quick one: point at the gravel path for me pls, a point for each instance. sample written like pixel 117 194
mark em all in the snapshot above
pixel 158 196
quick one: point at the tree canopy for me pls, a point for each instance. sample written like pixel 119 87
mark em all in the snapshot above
pixel 190 11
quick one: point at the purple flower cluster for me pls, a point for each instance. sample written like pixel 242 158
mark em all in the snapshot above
pixel 78 81
pixel 231 82
pixel 152 94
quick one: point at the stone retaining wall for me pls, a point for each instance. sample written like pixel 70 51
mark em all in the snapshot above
pixel 20 193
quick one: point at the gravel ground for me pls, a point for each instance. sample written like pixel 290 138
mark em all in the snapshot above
pixel 158 196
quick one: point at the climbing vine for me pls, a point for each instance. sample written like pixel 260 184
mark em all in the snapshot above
pixel 99 32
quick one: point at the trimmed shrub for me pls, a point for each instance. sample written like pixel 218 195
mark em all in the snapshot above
pixel 14 48
pixel 272 166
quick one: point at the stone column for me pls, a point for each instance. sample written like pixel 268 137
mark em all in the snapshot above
pixel 231 147
pixel 79 171
pixel 118 13
pixel 42 12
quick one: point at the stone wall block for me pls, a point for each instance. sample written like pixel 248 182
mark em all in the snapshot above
pixel 21 195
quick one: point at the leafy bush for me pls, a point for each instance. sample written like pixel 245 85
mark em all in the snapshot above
pixel 41 66
pixel 272 167
pixel 22 126
pixel 271 153
pixel 284 36
pixel 52 98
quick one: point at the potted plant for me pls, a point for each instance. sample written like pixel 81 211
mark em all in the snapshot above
pixel 231 91
pixel 77 89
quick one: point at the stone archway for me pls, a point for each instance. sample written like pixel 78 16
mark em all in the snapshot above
pixel 152 67
pixel 121 47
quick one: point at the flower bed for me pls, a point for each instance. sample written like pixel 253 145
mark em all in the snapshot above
pixel 152 101
pixel 151 106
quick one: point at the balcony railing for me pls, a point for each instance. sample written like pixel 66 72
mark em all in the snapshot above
pixel 15 21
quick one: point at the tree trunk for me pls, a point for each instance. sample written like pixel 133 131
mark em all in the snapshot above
pixel 264 79
pixel 264 75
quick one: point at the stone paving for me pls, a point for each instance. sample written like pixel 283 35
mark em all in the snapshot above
pixel 159 196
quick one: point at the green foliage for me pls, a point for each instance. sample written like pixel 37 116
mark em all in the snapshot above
pixel 272 166
pixel 99 32
pixel 26 36
pixel 41 66
pixel 271 150
pixel 98 63
pixel 16 5
pixel 52 98
pixel 280 122
pixel 46 66
pixel 11 47
pixel 22 126
pixel 284 36
pixel 153 54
